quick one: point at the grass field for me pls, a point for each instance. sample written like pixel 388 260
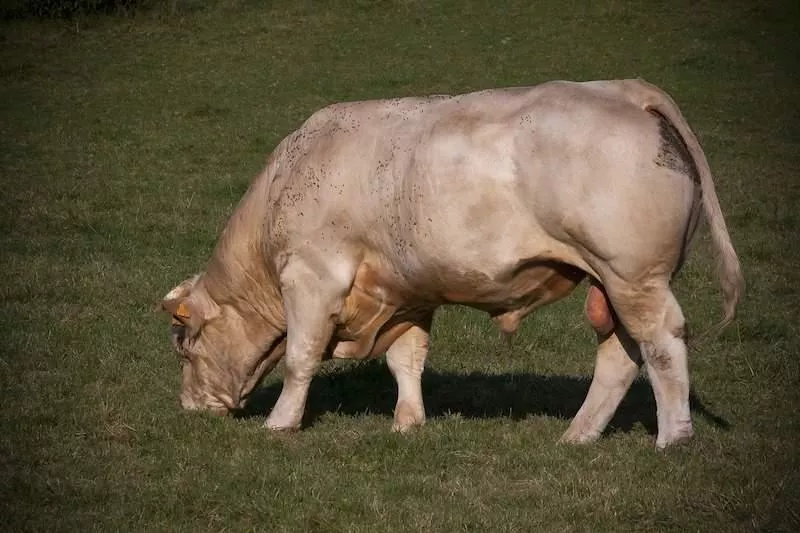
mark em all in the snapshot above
pixel 127 141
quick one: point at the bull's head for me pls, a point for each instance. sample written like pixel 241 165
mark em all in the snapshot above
pixel 222 356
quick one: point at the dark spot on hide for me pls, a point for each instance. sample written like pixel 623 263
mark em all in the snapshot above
pixel 660 360
pixel 673 153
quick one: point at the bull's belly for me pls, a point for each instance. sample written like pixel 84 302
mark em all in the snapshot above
pixel 376 312
pixel 511 296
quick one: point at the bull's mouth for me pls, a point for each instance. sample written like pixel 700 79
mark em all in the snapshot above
pixel 215 407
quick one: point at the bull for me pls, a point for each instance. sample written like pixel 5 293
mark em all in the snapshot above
pixel 373 214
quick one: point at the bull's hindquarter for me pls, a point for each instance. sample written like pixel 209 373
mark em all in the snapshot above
pixel 373 214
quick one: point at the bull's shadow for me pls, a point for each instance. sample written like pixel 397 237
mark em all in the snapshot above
pixel 368 387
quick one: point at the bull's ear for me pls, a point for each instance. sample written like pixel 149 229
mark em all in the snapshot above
pixel 179 309
pixel 191 310
pixel 176 302
pixel 181 290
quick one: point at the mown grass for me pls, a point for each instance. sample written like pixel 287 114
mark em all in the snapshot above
pixel 126 143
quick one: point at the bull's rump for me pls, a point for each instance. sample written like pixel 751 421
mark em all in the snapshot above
pixel 448 191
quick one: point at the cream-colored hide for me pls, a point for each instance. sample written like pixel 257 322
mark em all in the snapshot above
pixel 373 214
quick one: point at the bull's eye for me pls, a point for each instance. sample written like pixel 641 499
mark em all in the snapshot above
pixel 178 334
pixel 180 342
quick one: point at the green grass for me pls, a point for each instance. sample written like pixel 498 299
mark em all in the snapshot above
pixel 125 144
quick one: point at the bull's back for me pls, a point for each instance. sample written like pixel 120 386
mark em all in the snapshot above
pixel 471 185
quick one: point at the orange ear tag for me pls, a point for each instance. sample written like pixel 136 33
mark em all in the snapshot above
pixel 183 311
pixel 181 315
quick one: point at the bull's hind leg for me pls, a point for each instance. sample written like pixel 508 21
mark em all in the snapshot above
pixel 310 302
pixel 654 319
pixel 406 360
pixel 617 365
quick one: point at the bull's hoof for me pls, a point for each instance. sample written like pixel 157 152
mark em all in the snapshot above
pixel 578 437
pixel 284 426
pixel 406 418
pixel 282 429
pixel 678 436
pixel 406 428
pixel 580 431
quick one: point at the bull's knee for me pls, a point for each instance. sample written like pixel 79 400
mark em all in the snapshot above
pixel 599 313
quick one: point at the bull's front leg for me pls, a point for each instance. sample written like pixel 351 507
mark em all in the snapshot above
pixel 303 356
pixel 309 305
pixel 406 360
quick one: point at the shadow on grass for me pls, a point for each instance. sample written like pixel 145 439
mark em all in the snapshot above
pixel 369 388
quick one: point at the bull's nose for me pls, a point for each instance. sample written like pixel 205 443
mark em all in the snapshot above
pixel 188 404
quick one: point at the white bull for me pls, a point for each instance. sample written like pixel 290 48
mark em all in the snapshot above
pixel 373 214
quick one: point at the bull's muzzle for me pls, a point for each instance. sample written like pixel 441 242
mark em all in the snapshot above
pixel 188 403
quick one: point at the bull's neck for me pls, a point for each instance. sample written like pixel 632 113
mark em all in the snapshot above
pixel 239 272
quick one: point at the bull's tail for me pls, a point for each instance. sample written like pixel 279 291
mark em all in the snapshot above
pixel 650 97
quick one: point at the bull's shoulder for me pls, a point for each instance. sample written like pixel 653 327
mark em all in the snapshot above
pixel 322 118
pixel 353 116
